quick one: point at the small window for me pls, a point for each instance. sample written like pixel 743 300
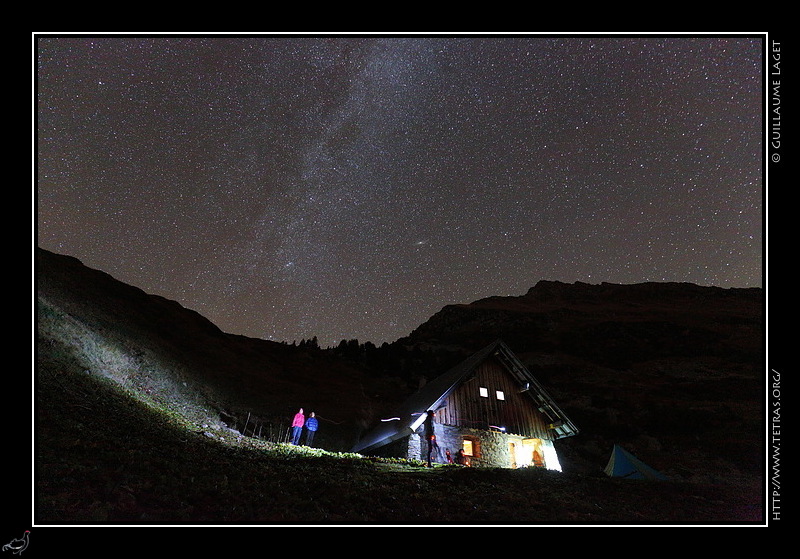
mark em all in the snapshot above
pixel 484 392
pixel 471 447
pixel 500 395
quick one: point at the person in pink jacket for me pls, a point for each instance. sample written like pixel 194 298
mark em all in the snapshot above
pixel 297 426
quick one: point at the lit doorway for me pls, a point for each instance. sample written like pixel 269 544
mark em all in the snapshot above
pixel 534 452
pixel 512 453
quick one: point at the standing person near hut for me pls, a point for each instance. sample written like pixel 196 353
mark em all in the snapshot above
pixel 311 428
pixel 297 426
pixel 430 435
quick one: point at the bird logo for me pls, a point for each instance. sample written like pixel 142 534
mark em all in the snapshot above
pixel 17 546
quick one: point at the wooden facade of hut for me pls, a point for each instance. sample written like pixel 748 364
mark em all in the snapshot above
pixel 489 406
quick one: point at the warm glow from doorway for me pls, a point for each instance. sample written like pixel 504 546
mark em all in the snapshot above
pixel 468 447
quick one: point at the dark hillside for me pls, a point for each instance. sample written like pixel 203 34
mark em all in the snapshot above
pixel 161 350
pixel 610 324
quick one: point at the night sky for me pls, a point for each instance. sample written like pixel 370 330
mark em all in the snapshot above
pixel 351 186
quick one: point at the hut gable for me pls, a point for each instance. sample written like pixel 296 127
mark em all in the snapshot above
pixel 492 399
pixel 490 405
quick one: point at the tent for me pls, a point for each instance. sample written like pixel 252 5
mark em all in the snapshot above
pixel 624 464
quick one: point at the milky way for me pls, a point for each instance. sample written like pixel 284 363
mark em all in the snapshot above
pixel 349 187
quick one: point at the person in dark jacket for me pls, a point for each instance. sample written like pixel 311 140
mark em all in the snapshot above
pixel 430 435
pixel 311 428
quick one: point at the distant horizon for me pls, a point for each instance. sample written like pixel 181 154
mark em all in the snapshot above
pixel 334 343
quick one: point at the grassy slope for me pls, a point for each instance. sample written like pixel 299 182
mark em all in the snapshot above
pixel 104 457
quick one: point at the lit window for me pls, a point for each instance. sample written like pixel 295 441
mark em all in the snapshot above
pixel 468 447
pixel 471 447
pixel 500 395
pixel 484 392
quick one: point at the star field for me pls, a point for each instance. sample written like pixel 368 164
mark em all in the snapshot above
pixel 349 187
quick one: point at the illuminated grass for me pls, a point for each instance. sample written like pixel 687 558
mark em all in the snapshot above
pixel 105 457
